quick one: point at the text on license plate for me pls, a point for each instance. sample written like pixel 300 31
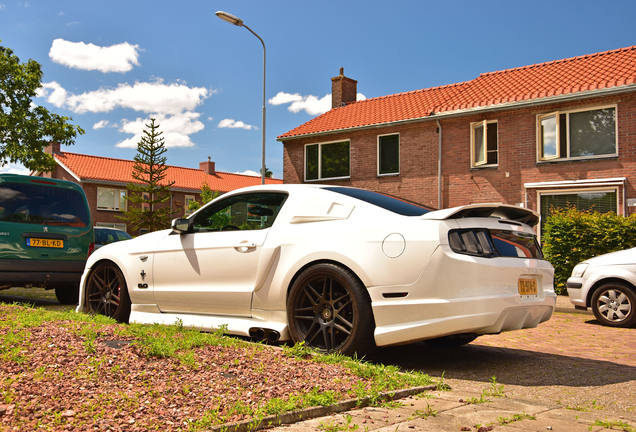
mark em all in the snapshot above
pixel 51 243
pixel 528 287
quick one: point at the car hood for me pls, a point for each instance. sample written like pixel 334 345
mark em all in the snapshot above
pixel 500 211
pixel 623 257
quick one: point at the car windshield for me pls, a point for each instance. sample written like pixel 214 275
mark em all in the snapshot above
pixel 386 202
pixel 40 204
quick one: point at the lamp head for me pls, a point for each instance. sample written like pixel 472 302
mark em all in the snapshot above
pixel 230 18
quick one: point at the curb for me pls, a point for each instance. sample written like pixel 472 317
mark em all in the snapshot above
pixel 313 412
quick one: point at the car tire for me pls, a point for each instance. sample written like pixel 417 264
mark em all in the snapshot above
pixel 107 293
pixel 451 341
pixel 614 305
pixel 329 310
pixel 67 294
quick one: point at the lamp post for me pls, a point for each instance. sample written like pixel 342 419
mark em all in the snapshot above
pixel 239 22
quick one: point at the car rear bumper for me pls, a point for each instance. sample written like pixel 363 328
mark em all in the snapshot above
pixel 481 315
pixel 40 273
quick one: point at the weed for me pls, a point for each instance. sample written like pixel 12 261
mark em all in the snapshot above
pixel 337 426
pixel 428 412
pixel 609 424
pixel 299 351
pixel 515 418
pixel 496 389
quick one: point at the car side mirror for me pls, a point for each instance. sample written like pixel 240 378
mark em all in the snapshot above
pixel 181 225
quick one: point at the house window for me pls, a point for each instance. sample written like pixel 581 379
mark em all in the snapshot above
pixel 388 154
pixel 111 199
pixel 146 197
pixel 327 161
pixel 119 226
pixel 601 200
pixel 188 200
pixel 484 143
pixel 577 134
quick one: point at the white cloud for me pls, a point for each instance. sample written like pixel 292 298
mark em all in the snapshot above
pixel 2 6
pixel 176 129
pixel 233 124
pixel 310 104
pixel 14 169
pixel 146 97
pixel 78 55
pixel 71 24
pixel 100 124
pixel 249 173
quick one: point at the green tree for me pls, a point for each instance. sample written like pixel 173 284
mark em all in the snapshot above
pixel 151 190
pixel 268 173
pixel 25 128
pixel 207 195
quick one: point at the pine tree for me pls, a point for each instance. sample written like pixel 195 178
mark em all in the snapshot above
pixel 150 191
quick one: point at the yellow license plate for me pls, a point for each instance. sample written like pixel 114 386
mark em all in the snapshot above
pixel 50 243
pixel 528 287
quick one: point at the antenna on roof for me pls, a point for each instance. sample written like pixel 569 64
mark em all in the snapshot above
pixel 209 158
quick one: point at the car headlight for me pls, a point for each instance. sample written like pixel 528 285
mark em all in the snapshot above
pixel 579 270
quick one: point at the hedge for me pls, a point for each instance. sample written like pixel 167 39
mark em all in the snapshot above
pixel 571 236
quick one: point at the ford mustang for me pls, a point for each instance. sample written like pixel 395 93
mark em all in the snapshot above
pixel 339 268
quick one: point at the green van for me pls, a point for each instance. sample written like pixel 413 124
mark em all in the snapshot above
pixel 46 234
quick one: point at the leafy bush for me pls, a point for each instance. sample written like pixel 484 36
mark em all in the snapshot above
pixel 571 236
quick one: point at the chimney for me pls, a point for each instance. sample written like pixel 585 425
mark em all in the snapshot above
pixel 52 148
pixel 207 166
pixel 343 90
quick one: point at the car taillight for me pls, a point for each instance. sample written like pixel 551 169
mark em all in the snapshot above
pixel 91 249
pixel 494 243
pixel 472 242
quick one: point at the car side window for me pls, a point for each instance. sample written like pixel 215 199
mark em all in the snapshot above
pixel 250 211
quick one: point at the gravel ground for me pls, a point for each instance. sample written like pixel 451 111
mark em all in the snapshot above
pixel 66 379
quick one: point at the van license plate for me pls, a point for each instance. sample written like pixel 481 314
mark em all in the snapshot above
pixel 50 243
pixel 528 287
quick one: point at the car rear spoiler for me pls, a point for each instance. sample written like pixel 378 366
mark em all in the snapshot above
pixel 499 211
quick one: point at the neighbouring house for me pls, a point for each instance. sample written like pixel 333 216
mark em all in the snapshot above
pixel 551 134
pixel 104 181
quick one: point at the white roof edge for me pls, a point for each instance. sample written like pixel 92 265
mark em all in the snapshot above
pixel 615 181
pixel 68 170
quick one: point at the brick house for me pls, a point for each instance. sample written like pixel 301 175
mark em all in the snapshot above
pixel 104 181
pixel 550 134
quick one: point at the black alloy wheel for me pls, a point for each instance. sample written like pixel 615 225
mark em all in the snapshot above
pixel 330 310
pixel 106 292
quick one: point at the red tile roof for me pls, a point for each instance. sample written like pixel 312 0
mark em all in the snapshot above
pixel 573 75
pixel 103 169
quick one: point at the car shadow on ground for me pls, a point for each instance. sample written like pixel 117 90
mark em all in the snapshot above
pixel 510 366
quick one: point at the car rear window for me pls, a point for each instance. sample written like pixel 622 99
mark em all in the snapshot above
pixel 386 202
pixel 42 205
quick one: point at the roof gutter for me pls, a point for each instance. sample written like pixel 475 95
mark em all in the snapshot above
pixel 490 108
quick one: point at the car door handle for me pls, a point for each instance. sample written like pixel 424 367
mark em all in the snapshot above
pixel 244 246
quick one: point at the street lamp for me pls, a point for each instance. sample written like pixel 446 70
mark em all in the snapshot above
pixel 239 22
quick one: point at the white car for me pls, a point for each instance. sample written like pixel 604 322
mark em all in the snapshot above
pixel 606 283
pixel 339 268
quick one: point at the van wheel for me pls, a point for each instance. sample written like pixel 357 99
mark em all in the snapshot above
pixel 67 294
pixel 329 310
pixel 107 293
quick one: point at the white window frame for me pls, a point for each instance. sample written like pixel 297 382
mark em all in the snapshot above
pixel 473 159
pixel 319 179
pixel 566 157
pixel 119 226
pixel 144 205
pixel 122 199
pixel 187 200
pixel 378 153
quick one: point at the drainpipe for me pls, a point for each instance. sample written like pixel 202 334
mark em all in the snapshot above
pixel 439 166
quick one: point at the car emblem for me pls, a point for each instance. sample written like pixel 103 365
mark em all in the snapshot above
pixel 143 275
pixel 46 229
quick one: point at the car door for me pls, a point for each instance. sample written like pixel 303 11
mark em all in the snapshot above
pixel 212 269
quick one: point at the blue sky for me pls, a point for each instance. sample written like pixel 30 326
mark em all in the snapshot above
pixel 113 65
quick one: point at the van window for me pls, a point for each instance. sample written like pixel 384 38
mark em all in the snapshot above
pixel 43 205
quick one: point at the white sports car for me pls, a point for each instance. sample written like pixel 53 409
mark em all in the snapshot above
pixel 339 268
